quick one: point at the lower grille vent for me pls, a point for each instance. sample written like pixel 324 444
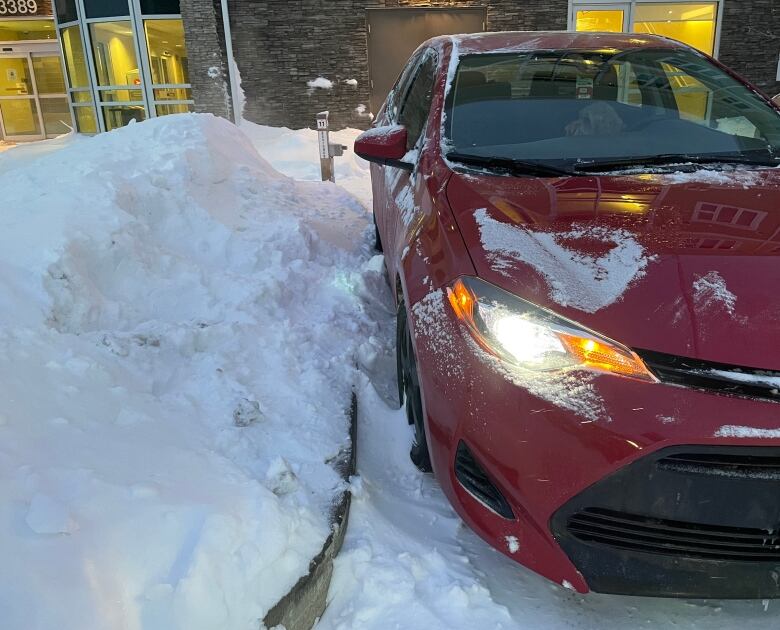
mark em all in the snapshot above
pixel 724 464
pixel 476 482
pixel 641 533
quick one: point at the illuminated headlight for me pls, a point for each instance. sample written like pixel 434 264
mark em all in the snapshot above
pixel 534 338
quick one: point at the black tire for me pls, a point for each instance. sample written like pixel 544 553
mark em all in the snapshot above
pixel 377 239
pixel 409 390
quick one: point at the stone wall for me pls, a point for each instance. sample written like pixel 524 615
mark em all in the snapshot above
pixel 280 45
pixel 750 41
pixel 207 59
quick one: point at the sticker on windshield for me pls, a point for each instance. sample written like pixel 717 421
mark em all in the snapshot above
pixel 584 87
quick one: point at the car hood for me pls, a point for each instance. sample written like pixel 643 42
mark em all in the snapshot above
pixel 683 263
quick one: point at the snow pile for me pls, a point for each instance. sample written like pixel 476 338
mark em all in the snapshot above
pixel 585 282
pixel 320 83
pixel 178 329
pixel 296 154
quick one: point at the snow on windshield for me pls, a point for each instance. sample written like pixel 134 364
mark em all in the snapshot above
pixel 581 281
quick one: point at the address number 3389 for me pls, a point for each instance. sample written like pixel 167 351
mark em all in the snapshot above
pixel 18 7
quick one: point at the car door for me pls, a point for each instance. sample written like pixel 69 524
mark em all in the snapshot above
pixel 404 188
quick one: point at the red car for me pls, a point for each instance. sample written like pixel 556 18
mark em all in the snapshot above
pixel 583 235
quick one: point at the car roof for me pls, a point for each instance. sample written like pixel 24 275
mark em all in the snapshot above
pixel 508 41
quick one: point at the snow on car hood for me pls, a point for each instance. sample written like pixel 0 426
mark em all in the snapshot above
pixel 676 263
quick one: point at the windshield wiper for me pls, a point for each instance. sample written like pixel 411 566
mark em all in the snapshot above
pixel 510 165
pixel 672 159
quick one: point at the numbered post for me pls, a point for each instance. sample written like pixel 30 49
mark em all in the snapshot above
pixel 323 140
pixel 327 150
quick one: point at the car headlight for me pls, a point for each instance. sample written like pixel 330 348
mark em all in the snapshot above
pixel 534 338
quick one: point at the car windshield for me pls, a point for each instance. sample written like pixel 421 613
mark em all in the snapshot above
pixel 611 108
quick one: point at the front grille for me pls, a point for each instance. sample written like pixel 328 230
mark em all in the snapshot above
pixel 476 482
pixel 724 464
pixel 719 378
pixel 675 538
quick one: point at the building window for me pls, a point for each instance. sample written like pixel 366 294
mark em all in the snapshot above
pixel 160 7
pixel 75 62
pixel 168 64
pixel 113 50
pixel 600 20
pixel 693 23
pixel 136 64
pixel 106 8
pixel 167 51
pixel 65 10
pixel 26 30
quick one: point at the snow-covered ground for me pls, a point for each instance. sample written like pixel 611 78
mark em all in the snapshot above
pixel 179 325
pixel 178 328
pixel 294 153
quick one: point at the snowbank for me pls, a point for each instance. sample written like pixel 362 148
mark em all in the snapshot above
pixel 295 153
pixel 178 330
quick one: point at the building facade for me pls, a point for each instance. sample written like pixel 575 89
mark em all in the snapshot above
pixel 280 46
pixel 125 60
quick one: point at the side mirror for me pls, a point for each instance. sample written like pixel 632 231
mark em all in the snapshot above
pixel 384 145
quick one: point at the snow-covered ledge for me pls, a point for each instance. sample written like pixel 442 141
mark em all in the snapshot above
pixel 306 601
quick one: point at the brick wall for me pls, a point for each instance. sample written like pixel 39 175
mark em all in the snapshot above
pixel 750 40
pixel 207 59
pixel 280 45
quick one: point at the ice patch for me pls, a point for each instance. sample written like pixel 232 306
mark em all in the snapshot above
pixel 512 543
pixel 588 283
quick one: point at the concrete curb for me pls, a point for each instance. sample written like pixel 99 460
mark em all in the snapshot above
pixel 305 603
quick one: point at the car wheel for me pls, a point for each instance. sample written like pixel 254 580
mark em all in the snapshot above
pixel 409 390
pixel 377 239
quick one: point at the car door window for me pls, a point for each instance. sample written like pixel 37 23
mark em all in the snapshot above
pixel 401 87
pixel 417 105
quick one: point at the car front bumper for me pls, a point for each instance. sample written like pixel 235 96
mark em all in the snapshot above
pixel 658 525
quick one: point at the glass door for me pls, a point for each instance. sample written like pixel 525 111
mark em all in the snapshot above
pixel 605 18
pixel 33 99
pixel 19 114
